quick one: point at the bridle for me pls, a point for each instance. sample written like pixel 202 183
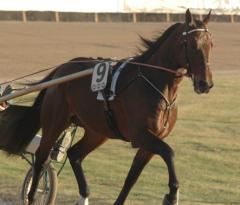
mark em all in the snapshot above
pixel 185 42
pixel 194 30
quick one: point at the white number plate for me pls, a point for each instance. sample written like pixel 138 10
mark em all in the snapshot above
pixel 100 76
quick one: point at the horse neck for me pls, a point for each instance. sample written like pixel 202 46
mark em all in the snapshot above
pixel 165 57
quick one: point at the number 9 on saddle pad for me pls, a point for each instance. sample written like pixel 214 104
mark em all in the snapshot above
pixel 100 76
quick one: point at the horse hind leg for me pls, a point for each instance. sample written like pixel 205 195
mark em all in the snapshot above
pixel 41 155
pixel 76 155
pixel 55 121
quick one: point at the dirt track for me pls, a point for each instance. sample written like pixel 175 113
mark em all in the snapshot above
pixel 28 47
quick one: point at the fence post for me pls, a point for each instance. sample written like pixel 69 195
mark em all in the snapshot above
pixel 96 18
pixel 167 17
pixel 56 16
pixel 24 16
pixel 134 17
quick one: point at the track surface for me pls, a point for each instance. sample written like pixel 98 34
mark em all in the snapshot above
pixel 28 47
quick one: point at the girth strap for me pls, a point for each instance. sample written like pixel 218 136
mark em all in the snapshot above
pixel 111 119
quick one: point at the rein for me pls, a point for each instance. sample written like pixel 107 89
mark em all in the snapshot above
pixel 178 74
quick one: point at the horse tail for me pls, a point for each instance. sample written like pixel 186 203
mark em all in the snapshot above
pixel 19 124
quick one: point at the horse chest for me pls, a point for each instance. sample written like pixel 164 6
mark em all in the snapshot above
pixel 162 121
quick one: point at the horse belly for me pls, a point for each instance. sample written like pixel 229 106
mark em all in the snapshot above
pixel 89 111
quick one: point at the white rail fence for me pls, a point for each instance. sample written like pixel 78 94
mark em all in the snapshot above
pixel 124 7
pixel 162 6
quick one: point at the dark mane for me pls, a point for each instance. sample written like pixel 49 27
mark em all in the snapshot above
pixel 152 45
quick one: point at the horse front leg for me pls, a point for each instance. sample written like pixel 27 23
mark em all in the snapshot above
pixel 76 155
pixel 141 159
pixel 157 146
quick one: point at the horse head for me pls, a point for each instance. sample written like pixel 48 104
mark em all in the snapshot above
pixel 196 45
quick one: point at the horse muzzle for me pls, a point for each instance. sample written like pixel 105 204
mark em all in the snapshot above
pixel 202 86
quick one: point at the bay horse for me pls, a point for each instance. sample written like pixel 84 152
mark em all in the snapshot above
pixel 145 107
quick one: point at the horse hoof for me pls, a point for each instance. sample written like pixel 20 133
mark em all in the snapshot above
pixel 167 202
pixel 82 201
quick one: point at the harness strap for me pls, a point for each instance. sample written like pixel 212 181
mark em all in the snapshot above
pixel 169 105
pixel 155 88
pixel 111 119
pixel 116 75
pixel 110 116
pixel 108 94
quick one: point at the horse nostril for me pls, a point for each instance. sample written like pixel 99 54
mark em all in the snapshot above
pixel 203 84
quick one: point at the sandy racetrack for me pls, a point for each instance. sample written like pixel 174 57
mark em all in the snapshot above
pixel 28 47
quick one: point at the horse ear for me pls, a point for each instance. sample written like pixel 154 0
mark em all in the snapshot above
pixel 207 18
pixel 188 18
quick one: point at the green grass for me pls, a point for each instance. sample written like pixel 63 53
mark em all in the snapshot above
pixel 206 140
